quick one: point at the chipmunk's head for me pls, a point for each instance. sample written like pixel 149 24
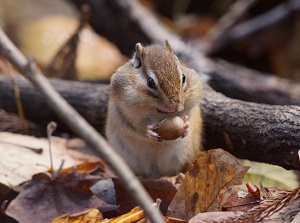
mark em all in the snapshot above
pixel 162 76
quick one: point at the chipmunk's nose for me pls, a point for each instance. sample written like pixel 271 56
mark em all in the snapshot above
pixel 171 108
pixel 176 105
pixel 179 108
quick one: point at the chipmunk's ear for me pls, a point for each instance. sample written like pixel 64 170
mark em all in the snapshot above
pixel 138 56
pixel 169 46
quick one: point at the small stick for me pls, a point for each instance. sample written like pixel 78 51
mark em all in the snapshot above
pixel 36 150
pixel 50 129
pixel 217 33
pixel 18 101
pixel 260 22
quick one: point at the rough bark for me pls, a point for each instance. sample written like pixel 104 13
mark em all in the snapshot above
pixel 89 100
pixel 12 123
pixel 249 85
pixel 248 130
pixel 253 131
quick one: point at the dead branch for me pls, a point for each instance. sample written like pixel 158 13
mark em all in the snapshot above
pixel 272 17
pixel 249 85
pixel 95 97
pixel 12 123
pixel 259 132
pixel 216 35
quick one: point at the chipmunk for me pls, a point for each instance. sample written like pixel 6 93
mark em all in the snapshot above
pixel 152 86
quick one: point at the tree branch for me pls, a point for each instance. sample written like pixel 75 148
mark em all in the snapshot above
pixel 259 132
pixel 12 123
pixel 218 32
pixel 249 85
pixel 273 16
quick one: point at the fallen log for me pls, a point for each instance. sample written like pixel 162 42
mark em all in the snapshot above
pixel 259 132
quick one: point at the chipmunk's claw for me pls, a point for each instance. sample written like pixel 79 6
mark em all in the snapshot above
pixel 187 126
pixel 153 135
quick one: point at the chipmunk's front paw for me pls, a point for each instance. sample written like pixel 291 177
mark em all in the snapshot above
pixel 187 126
pixel 153 135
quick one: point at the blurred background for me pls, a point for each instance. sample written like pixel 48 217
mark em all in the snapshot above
pixel 41 27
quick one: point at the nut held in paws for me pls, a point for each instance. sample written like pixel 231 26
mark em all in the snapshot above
pixel 170 128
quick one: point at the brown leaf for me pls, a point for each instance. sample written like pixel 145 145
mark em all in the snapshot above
pixel 174 220
pixel 233 203
pixel 213 171
pixel 213 217
pixel 157 188
pixel 87 216
pixel 7 194
pixel 16 171
pixel 86 167
pixel 43 199
pixel 134 215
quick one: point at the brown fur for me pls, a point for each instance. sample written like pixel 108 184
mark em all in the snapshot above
pixel 133 107
pixel 163 63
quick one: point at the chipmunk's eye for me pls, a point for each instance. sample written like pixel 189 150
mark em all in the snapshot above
pixel 151 83
pixel 138 64
pixel 183 79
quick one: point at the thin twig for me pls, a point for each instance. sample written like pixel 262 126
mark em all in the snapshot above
pixel 80 127
pixel 36 150
pixel 62 64
pixel 18 101
pixel 50 129
pixel 268 19
pixel 7 68
pixel 234 13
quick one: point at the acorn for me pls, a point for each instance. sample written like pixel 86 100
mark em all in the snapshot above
pixel 170 128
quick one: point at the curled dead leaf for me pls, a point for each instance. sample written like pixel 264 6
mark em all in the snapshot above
pixel 51 198
pixel 86 167
pixel 207 184
pixel 87 216
pixel 134 215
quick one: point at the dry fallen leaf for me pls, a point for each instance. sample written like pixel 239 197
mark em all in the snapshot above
pixel 94 216
pixel 234 203
pixel 87 216
pixel 174 220
pixel 134 215
pixel 43 199
pixel 86 167
pixel 157 188
pixel 213 171
pixel 7 194
pixel 214 216
pixel 18 162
